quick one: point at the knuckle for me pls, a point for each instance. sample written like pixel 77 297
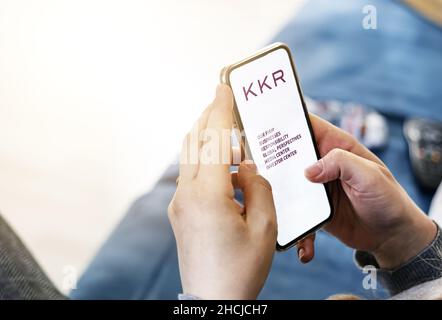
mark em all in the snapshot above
pixel 270 224
pixel 267 224
pixel 177 205
pixel 385 172
pixel 337 154
pixel 170 207
pixel 260 181
pixel 208 190
pixel 348 142
pixel 331 162
pixel 171 213
pixel 375 172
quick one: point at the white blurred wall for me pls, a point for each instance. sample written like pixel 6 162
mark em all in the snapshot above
pixel 95 97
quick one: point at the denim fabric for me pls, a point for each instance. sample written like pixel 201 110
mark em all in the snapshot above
pixel 395 68
pixel 139 260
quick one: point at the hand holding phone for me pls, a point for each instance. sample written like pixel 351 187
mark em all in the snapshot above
pixel 373 212
pixel 224 249
pixel 275 131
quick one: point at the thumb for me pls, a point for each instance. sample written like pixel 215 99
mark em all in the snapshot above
pixel 258 199
pixel 339 164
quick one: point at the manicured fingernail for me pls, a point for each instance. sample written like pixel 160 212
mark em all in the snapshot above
pixel 314 170
pixel 301 253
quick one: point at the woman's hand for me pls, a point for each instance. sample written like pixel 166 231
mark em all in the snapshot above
pixel 372 211
pixel 224 249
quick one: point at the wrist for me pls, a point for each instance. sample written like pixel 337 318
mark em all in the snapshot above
pixel 426 266
pixel 408 240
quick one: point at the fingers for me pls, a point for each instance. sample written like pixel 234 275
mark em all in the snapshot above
pixel 342 165
pixel 306 248
pixel 189 156
pixel 258 199
pixel 221 116
pixel 330 137
pixel 215 152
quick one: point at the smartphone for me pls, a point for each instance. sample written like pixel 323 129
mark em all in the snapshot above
pixel 275 132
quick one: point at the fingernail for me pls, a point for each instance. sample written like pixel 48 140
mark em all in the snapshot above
pixel 301 253
pixel 314 170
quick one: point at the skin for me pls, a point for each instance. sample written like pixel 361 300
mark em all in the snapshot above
pixel 225 250
pixel 372 211
pixel 217 237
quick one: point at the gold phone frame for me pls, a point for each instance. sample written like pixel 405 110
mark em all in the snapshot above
pixel 225 79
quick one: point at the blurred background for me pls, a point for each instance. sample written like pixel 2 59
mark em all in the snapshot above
pixel 95 97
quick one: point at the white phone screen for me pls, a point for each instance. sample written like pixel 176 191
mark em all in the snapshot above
pixel 279 139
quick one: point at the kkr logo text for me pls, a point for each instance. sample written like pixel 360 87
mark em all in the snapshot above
pixel 263 85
